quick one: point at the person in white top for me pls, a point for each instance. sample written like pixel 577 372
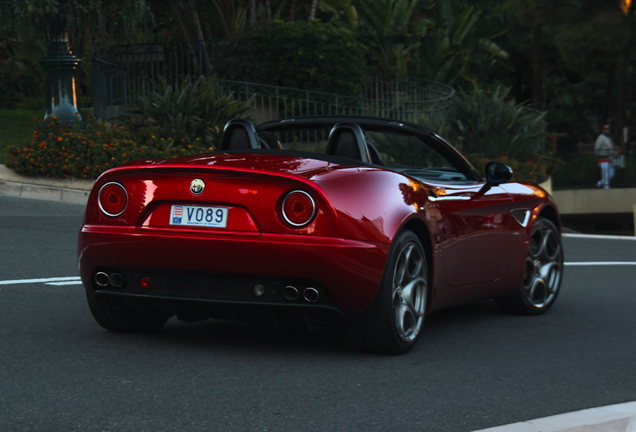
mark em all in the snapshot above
pixel 603 149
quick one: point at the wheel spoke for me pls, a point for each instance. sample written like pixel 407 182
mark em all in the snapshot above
pixel 414 296
pixel 400 317
pixel 400 271
pixel 537 286
pixel 551 273
pixel 407 253
pixel 538 243
pixel 544 242
pixel 528 273
pixel 552 248
pixel 417 262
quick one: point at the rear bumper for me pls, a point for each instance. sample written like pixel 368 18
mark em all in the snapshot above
pixel 201 266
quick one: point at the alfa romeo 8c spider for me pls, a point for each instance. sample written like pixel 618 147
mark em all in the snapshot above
pixel 362 222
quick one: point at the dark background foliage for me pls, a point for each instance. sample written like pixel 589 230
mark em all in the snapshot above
pixel 304 55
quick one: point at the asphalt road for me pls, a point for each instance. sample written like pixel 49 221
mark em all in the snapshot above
pixel 474 367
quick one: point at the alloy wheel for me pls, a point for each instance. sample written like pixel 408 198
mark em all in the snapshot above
pixel 409 291
pixel 543 268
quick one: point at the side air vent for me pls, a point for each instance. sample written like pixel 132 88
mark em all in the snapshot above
pixel 522 216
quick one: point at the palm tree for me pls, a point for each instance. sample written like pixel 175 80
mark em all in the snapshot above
pixel 454 47
pixel 392 29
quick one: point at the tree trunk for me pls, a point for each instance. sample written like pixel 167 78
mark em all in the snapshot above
pixel 194 20
pixel 313 10
pixel 604 111
pixel 102 29
pixel 537 67
pixel 518 88
pixel 202 60
pixel 591 133
pixel 268 11
pixel 204 16
pixel 252 11
pixel 621 89
pixel 174 7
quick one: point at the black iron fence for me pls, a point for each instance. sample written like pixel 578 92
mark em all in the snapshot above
pixel 122 73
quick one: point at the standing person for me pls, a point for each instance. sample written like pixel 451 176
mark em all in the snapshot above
pixel 603 150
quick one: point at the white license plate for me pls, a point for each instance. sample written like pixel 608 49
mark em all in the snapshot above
pixel 215 217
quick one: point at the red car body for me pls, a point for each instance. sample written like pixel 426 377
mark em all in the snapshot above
pixel 475 243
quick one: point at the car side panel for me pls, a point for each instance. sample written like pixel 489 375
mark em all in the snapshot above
pixel 475 232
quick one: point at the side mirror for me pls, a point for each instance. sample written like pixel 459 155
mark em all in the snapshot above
pixel 497 173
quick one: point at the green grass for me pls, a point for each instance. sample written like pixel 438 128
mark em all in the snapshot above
pixel 16 126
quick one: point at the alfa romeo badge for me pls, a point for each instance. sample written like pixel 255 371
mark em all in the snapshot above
pixel 197 186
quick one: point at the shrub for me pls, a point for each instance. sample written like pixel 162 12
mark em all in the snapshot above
pixel 485 125
pixel 59 150
pixel 531 167
pixel 189 111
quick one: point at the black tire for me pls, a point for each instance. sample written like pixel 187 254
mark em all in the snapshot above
pixel 113 314
pixel 543 272
pixel 392 324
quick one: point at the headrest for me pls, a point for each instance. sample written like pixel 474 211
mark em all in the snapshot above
pixel 347 140
pixel 239 134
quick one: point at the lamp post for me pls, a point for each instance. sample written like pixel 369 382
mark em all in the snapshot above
pixel 60 64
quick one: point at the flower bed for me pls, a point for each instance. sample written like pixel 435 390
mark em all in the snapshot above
pixel 60 150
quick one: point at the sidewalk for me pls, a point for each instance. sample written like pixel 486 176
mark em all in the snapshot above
pixel 612 418
pixel 67 190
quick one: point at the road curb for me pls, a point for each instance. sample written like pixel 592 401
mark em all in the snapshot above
pixel 23 190
pixel 71 190
pixel 611 418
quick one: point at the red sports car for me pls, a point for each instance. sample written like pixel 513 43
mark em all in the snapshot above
pixel 369 222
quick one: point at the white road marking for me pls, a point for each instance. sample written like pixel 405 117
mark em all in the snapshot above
pixel 599 263
pixel 41 280
pixel 598 236
pixel 73 282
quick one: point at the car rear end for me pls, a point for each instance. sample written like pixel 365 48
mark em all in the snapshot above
pixel 223 239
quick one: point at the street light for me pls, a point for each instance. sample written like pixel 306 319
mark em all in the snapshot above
pixel 60 64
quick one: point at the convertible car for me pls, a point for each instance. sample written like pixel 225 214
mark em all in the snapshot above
pixel 363 222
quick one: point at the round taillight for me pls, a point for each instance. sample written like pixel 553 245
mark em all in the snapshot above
pixel 298 208
pixel 112 199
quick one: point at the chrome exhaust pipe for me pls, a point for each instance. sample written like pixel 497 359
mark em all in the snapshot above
pixel 101 279
pixel 312 295
pixel 116 280
pixel 290 293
